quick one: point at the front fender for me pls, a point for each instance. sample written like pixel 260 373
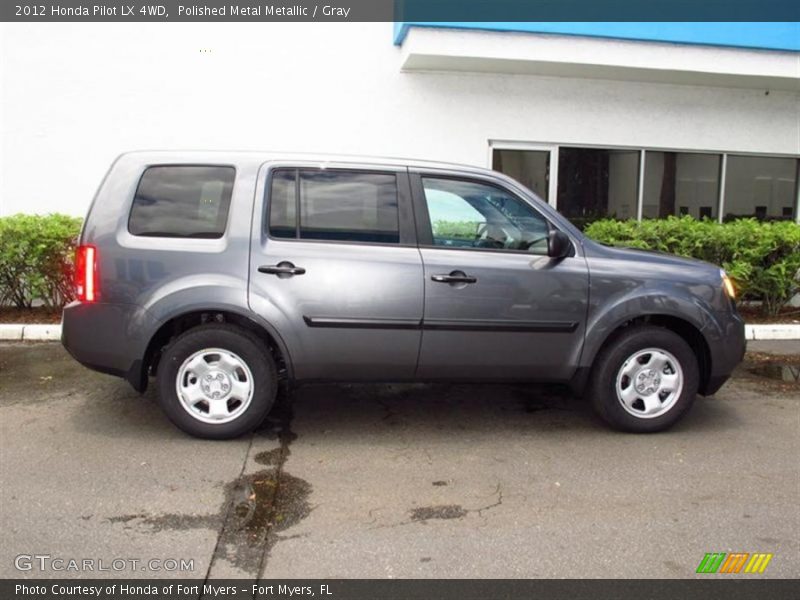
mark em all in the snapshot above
pixel 605 319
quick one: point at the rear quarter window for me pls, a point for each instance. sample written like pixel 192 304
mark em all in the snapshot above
pixel 183 201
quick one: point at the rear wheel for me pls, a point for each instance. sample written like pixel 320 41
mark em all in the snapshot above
pixel 217 381
pixel 644 380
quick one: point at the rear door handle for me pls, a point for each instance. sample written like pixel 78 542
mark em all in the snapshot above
pixel 282 268
pixel 454 277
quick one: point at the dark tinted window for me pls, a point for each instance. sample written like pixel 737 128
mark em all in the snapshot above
pixel 595 183
pixel 283 204
pixel 182 201
pixel 336 205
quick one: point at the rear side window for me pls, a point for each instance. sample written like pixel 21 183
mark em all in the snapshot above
pixel 334 205
pixel 187 201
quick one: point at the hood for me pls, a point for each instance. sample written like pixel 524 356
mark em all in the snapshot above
pixel 595 249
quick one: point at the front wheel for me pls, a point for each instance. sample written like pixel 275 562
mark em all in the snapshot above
pixel 217 381
pixel 644 380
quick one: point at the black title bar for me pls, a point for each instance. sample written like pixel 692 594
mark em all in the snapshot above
pixel 731 588
pixel 434 11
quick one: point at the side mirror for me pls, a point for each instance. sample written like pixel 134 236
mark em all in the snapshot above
pixel 558 244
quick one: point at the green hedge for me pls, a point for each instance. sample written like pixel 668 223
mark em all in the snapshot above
pixel 36 259
pixel 36 253
pixel 763 259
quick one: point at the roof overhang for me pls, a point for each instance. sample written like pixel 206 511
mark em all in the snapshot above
pixel 455 50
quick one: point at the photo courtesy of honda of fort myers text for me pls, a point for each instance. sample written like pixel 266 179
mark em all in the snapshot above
pixel 383 299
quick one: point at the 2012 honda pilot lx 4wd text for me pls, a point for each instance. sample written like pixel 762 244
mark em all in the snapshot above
pixel 221 273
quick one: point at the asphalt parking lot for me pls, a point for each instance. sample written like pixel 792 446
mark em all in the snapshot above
pixel 393 481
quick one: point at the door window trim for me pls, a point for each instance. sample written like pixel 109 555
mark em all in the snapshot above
pixel 405 211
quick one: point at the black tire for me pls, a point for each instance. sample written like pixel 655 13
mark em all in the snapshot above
pixel 603 382
pixel 246 346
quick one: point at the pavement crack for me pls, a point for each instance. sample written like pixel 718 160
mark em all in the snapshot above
pixel 160 522
pixel 390 415
pixel 423 514
pixel 497 492
pixel 262 504
pixel 227 515
pixel 289 502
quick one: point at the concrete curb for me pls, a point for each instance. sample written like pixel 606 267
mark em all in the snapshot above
pixel 11 332
pixel 30 332
pixel 41 333
pixel 777 331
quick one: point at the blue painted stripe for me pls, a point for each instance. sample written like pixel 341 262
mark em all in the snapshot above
pixel 764 36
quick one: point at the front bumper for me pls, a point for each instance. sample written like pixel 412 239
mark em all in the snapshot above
pixel 726 353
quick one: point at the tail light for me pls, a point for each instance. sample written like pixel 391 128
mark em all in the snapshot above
pixel 86 274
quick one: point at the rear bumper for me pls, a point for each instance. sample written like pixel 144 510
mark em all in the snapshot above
pixel 109 338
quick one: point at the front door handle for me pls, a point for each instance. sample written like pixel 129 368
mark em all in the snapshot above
pixel 454 277
pixel 282 268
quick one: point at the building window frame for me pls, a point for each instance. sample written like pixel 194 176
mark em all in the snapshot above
pixel 554 148
pixel 723 173
pixel 797 194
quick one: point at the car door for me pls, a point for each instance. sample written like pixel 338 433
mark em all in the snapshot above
pixel 335 269
pixel 496 305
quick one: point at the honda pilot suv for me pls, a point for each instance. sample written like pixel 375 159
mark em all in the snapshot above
pixel 221 274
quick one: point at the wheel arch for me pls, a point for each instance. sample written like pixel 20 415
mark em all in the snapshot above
pixel 177 324
pixel 687 330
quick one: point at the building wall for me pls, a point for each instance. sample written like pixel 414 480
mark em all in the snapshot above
pixel 76 95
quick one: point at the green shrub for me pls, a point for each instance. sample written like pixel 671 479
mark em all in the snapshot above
pixel 36 259
pixel 457 230
pixel 763 259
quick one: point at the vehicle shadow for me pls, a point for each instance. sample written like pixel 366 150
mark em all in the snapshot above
pixel 355 410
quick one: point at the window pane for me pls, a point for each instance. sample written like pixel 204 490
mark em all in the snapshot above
pixel 348 206
pixel 466 214
pixel 761 187
pixel 182 201
pixel 681 183
pixel 530 167
pixel 283 204
pixel 597 183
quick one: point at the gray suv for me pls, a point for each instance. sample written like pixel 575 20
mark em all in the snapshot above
pixel 221 274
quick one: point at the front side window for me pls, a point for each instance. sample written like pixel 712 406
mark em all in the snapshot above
pixel 186 201
pixel 346 206
pixel 467 214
